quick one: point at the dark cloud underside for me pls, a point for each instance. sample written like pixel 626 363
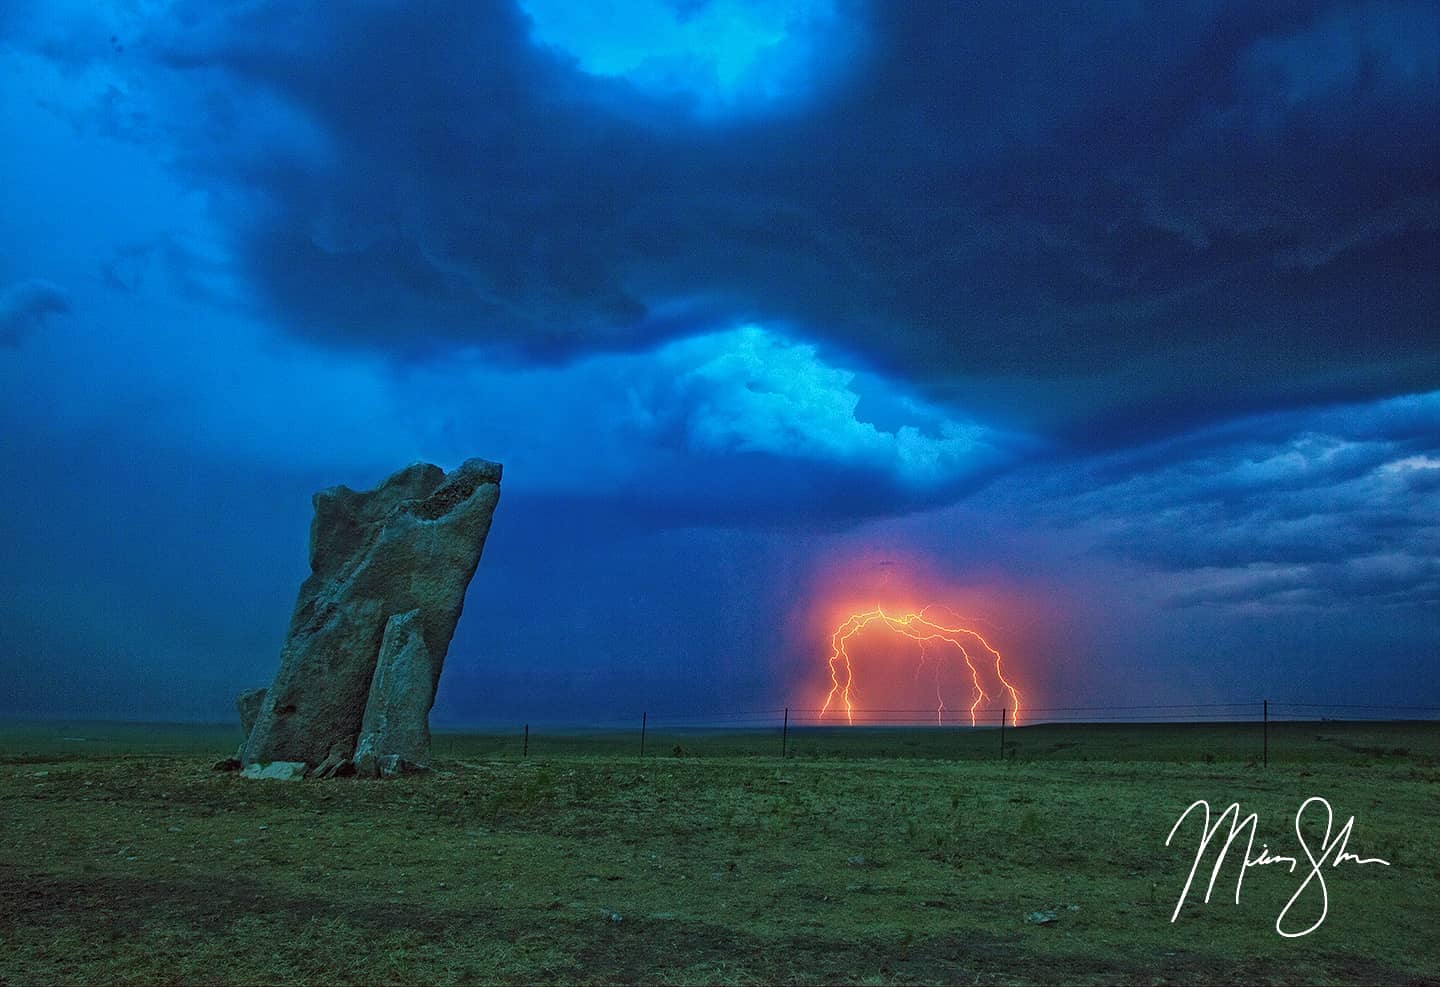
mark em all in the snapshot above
pixel 1235 203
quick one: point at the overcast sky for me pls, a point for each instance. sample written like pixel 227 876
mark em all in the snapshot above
pixel 1114 325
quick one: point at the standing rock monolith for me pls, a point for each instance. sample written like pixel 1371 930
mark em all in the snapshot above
pixel 373 622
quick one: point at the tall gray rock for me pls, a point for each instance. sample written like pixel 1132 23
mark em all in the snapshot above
pixel 373 622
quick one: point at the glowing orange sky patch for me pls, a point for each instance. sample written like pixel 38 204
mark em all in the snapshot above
pixel 921 627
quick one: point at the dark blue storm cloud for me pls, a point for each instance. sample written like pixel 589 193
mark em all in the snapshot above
pixel 1134 302
pixel 1092 216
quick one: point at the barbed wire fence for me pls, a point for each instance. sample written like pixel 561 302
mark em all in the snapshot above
pixel 1255 730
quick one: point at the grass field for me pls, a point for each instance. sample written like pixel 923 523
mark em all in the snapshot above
pixel 871 856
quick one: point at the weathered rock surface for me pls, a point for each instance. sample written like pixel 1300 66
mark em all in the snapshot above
pixel 373 622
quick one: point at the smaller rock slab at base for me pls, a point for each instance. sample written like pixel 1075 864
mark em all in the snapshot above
pixel 395 734
pixel 248 704
pixel 277 771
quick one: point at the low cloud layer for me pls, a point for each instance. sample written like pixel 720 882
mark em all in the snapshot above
pixel 1330 509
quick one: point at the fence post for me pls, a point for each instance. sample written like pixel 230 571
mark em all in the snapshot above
pixel 785 733
pixel 1002 733
pixel 643 718
pixel 526 751
pixel 1265 713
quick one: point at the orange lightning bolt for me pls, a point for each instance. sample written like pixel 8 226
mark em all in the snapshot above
pixel 921 628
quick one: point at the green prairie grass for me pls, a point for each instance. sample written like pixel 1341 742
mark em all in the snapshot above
pixel 869 857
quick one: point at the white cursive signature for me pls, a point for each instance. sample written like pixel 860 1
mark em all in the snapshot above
pixel 1238 825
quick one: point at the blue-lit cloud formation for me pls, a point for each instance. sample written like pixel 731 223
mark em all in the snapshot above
pixel 1134 299
pixel 721 57
pixel 1338 509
